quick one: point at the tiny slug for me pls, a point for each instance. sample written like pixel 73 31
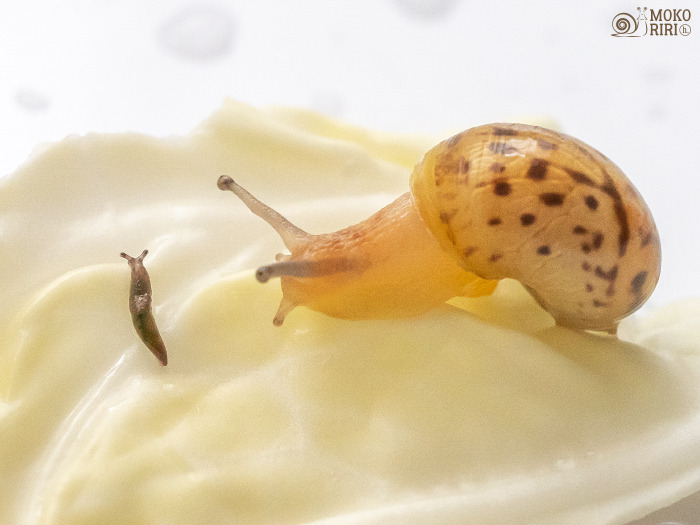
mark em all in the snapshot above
pixel 140 298
pixel 493 202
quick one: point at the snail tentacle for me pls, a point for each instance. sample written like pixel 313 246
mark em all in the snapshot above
pixel 302 268
pixel 291 234
pixel 284 308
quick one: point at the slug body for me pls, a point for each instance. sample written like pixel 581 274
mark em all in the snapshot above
pixel 493 202
pixel 140 298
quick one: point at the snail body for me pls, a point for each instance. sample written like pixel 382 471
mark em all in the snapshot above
pixel 493 202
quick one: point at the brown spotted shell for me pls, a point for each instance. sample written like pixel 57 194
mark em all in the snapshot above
pixel 528 203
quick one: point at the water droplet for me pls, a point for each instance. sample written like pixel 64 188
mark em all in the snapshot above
pixel 31 99
pixel 427 9
pixel 198 32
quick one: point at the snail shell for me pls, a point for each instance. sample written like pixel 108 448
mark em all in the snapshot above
pixel 624 24
pixel 518 201
pixel 493 202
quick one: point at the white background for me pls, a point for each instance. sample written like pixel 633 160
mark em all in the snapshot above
pixel 414 66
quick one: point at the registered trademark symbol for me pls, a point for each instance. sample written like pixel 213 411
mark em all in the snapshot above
pixel 684 29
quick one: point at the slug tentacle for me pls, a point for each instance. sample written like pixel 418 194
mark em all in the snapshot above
pixel 131 260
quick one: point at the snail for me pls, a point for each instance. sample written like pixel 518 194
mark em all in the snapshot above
pixel 140 298
pixel 493 202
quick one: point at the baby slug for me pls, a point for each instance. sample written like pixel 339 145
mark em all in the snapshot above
pixel 493 202
pixel 140 298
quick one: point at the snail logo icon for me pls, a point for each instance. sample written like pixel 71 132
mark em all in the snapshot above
pixel 624 24
pixel 659 22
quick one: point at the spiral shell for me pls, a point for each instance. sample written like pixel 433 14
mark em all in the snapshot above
pixel 624 24
pixel 523 202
